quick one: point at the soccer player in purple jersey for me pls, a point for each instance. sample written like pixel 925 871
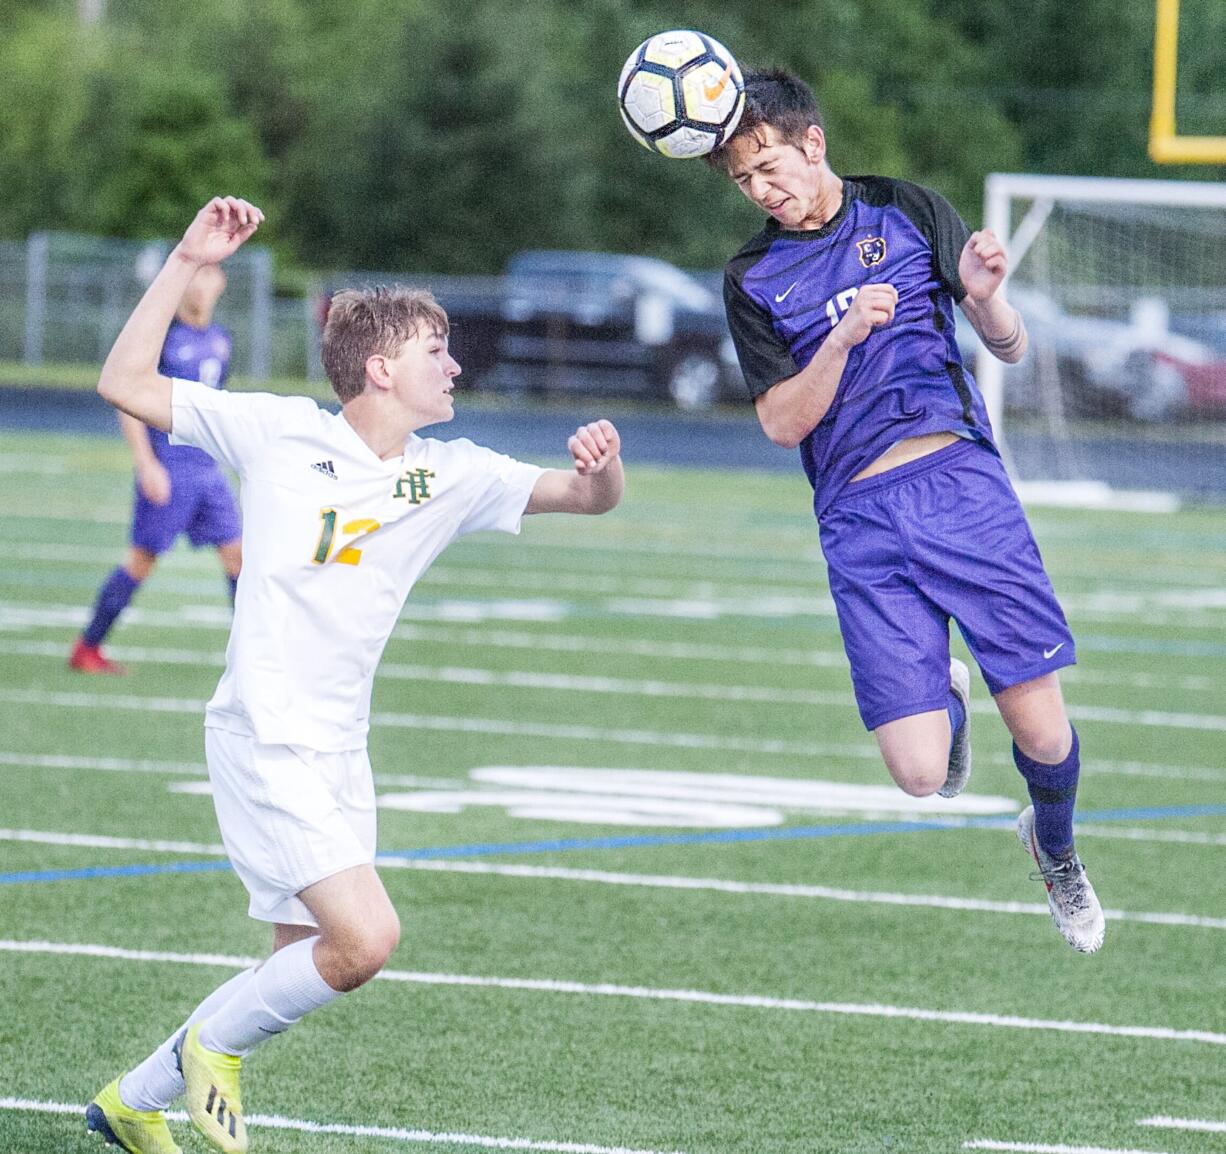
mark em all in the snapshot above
pixel 841 309
pixel 179 489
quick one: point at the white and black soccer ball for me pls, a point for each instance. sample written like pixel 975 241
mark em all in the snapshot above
pixel 681 94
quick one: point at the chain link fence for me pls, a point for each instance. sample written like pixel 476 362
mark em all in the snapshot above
pixel 65 296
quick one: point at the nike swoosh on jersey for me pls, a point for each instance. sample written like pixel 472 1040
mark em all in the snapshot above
pixel 1048 654
pixel 781 297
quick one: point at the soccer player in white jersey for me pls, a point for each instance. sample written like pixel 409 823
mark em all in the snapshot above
pixel 341 514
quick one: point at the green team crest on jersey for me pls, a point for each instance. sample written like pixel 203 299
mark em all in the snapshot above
pixel 414 486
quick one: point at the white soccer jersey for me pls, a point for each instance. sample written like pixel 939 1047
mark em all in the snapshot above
pixel 333 540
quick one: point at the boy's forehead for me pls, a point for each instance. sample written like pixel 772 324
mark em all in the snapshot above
pixel 755 148
pixel 425 331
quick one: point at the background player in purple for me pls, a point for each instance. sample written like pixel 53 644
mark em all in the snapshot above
pixel 179 489
pixel 841 308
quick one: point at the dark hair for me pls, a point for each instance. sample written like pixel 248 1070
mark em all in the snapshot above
pixel 379 320
pixel 774 98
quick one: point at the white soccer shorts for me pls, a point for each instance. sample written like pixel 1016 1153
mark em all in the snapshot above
pixel 289 818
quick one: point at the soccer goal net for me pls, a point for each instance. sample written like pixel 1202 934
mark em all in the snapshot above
pixel 1121 398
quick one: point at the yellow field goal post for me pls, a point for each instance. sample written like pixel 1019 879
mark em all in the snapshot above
pixel 1166 146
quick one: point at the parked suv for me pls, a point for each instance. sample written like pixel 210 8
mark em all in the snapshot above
pixel 605 323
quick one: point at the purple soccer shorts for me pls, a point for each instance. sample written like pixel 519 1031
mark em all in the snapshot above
pixel 201 505
pixel 940 538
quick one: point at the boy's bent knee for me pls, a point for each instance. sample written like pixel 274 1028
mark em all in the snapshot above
pixel 919 777
pixel 351 957
pixel 1049 746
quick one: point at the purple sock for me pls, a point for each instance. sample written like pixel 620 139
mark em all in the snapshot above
pixel 957 717
pixel 233 588
pixel 114 595
pixel 1053 790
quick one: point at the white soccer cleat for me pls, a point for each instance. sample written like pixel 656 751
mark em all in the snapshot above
pixel 1070 897
pixel 959 772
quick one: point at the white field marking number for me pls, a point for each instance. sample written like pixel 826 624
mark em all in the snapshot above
pixel 644 797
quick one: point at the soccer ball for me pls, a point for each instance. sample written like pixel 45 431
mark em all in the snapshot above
pixel 681 94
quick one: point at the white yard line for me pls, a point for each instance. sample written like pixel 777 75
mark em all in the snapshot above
pixel 181 768
pixel 779 889
pixel 467 675
pixel 1041 1148
pixel 1131 833
pixel 693 997
pixel 1145 718
pixel 396 1133
pixel 445 724
pixel 1163 1122
pixel 482 577
pixel 646 881
pixel 100 841
pixel 14 615
pixel 1193 683
pixel 109 764
pixel 802 563
pixel 864 751
pixel 533 679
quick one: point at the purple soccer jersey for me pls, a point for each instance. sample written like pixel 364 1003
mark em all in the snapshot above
pixel 201 502
pixel 191 354
pixel 786 290
pixel 943 537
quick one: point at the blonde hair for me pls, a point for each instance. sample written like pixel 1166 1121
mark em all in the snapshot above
pixel 369 322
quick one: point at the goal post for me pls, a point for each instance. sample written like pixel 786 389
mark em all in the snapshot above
pixel 1122 284
pixel 1166 146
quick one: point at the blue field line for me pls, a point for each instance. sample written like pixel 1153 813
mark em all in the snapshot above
pixel 128 871
pixel 630 841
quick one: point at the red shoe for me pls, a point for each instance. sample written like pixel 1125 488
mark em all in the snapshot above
pixel 89 659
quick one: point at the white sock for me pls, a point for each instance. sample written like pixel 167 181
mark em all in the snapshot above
pixel 156 1082
pixel 286 988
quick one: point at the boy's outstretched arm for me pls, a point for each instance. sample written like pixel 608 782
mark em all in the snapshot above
pixel 130 379
pixel 982 267
pixel 597 481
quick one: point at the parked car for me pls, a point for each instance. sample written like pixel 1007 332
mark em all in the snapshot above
pixel 1205 380
pixel 606 323
pixel 1106 368
pixel 474 311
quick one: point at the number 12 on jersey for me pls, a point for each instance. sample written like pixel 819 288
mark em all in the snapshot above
pixel 348 555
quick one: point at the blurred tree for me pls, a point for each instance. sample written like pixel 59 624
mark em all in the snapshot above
pixel 154 144
pixel 93 144
pixel 443 135
pixel 446 156
pixel 1076 79
pixel 43 59
pixel 257 49
pixel 480 128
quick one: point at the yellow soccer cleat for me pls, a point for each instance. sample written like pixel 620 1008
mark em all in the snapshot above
pixel 213 1102
pixel 137 1131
